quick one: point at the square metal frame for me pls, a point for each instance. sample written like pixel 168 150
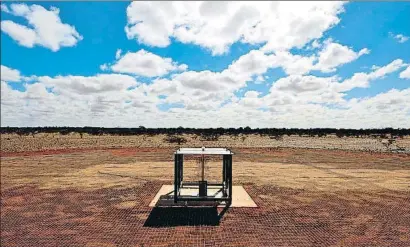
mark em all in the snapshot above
pixel 226 185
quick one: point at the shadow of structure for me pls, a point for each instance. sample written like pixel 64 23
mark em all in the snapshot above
pixel 167 214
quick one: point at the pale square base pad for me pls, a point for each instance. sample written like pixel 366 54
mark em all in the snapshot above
pixel 240 199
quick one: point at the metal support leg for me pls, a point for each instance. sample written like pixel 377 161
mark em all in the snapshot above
pixel 176 177
pixel 203 168
pixel 230 177
pixel 224 181
pixel 180 166
pixel 181 177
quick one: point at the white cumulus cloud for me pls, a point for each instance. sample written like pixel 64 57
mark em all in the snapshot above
pixel 143 63
pixel 86 85
pixel 217 25
pixel 405 74
pixel 334 55
pixel 45 27
pixel 9 74
pixel 399 37
pixel 362 79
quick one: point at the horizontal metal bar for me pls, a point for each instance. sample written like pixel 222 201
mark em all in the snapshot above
pixel 211 151
pixel 185 198
pixel 197 183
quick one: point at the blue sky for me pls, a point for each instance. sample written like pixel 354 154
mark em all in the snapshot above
pixel 162 76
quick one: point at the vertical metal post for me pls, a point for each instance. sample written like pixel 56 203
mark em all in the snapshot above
pixel 203 166
pixel 230 177
pixel 224 182
pixel 176 179
pixel 181 169
pixel 223 169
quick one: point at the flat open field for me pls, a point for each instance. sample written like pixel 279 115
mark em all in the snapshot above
pixel 45 141
pixel 85 196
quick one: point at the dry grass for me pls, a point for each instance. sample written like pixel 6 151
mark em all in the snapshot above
pixel 43 141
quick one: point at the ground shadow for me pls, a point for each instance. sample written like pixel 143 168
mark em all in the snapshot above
pixel 167 214
pixel 183 216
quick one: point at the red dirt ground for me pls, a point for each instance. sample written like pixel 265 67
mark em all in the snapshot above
pixel 36 215
pixel 116 151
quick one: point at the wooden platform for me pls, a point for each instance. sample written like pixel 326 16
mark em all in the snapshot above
pixel 164 197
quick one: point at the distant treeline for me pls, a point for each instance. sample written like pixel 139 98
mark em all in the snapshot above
pixel 209 132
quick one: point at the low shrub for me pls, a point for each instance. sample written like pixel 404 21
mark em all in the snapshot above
pixel 175 139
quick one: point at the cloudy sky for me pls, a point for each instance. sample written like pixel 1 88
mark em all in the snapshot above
pixel 206 64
